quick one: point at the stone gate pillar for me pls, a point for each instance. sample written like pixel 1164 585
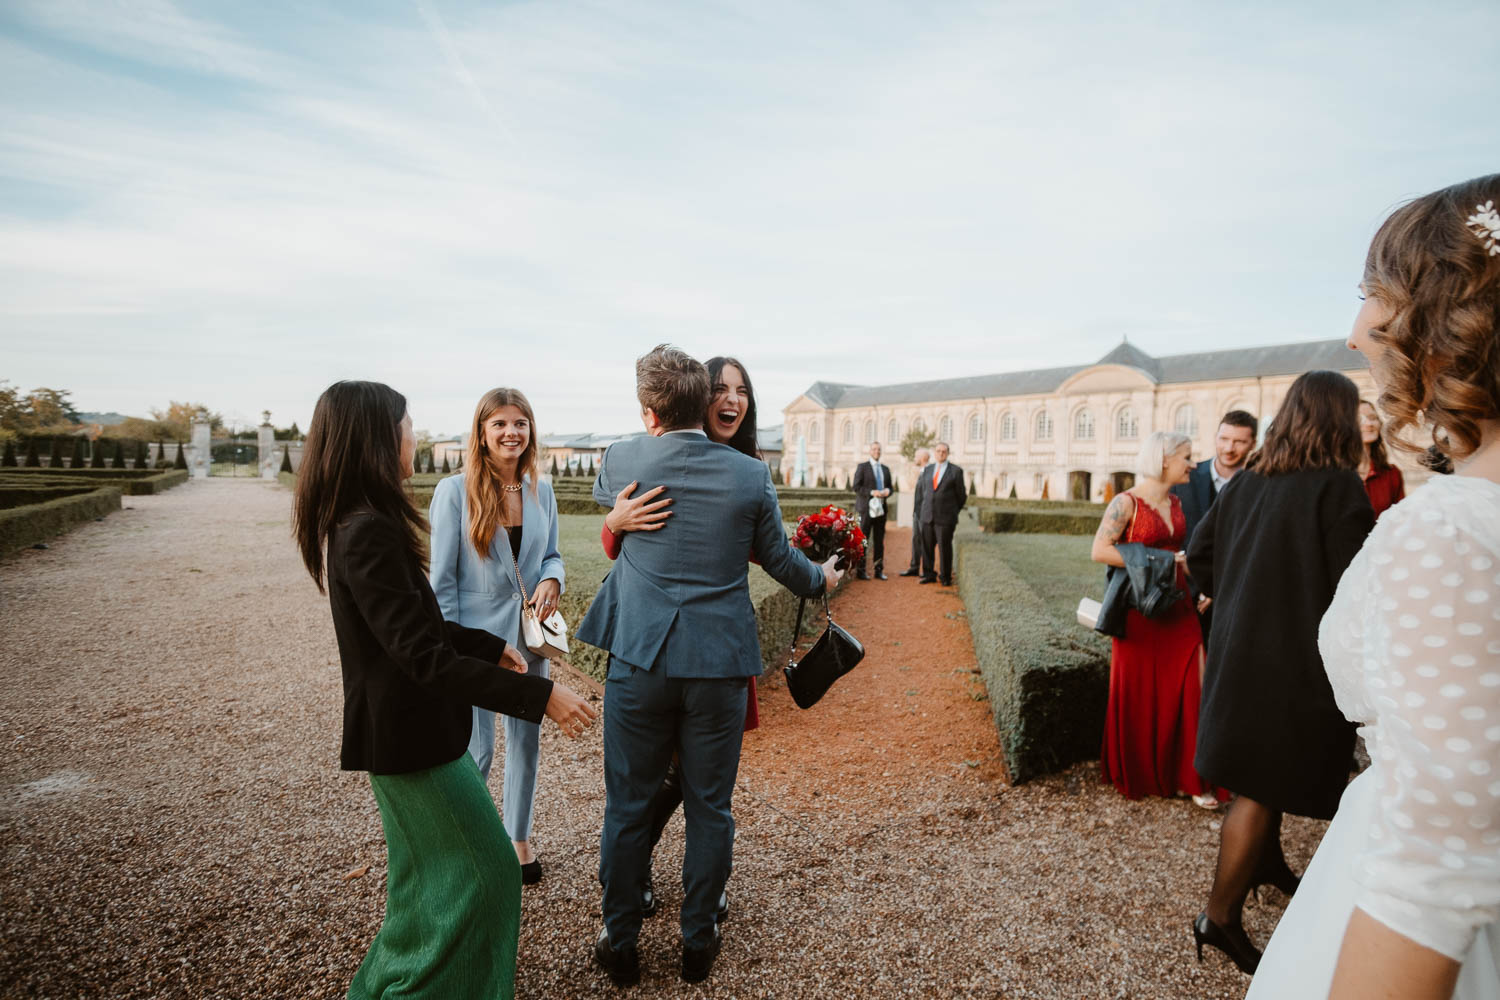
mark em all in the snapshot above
pixel 202 459
pixel 270 458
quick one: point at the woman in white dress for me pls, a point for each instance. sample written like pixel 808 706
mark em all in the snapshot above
pixel 1403 896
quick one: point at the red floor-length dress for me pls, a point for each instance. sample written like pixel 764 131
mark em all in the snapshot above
pixel 1151 725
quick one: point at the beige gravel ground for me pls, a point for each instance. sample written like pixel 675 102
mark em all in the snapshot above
pixel 173 822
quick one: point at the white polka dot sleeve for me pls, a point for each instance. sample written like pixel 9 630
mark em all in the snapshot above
pixel 1431 666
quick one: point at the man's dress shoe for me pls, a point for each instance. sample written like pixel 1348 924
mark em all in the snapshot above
pixel 911 572
pixel 623 966
pixel 698 962
pixel 928 579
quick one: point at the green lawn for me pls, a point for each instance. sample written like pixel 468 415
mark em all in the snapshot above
pixel 1057 567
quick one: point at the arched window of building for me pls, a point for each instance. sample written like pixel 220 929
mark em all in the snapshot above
pixel 1127 428
pixel 976 427
pixel 892 433
pixel 1044 426
pixel 1036 484
pixel 848 433
pixel 1186 420
pixel 918 424
pixel 815 433
pixel 791 441
pixel 1007 426
pixel 1004 483
pixel 1083 426
pixel 869 431
pixel 945 429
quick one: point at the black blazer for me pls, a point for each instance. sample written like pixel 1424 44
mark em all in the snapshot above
pixel 409 676
pixel 864 483
pixel 941 505
pixel 1196 495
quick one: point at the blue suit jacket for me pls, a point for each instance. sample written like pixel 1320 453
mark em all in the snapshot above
pixel 680 597
pixel 482 593
pixel 1196 495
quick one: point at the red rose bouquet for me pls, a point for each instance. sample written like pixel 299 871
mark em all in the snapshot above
pixel 830 531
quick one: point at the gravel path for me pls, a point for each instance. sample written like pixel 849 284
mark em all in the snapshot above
pixel 174 824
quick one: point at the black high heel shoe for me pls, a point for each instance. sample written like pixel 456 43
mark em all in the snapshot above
pixel 531 872
pixel 1286 880
pixel 1232 941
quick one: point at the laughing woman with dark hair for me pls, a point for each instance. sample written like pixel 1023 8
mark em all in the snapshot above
pixel 1270 552
pixel 453 885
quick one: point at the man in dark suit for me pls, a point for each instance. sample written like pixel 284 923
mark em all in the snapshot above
pixel 918 495
pixel 1232 446
pixel 871 479
pixel 1233 443
pixel 675 616
pixel 945 498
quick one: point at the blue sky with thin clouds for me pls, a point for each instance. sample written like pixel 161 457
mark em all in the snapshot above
pixel 240 203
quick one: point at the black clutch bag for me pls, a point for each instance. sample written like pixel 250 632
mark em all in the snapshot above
pixel 834 654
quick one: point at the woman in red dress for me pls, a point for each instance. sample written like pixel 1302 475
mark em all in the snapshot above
pixel 1383 482
pixel 1155 671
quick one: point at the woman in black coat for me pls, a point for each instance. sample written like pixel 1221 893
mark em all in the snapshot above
pixel 453 884
pixel 1269 553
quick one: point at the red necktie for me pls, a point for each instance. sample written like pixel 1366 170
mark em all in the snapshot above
pixel 934 477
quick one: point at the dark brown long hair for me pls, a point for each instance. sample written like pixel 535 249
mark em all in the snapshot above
pixel 1379 461
pixel 1441 365
pixel 745 439
pixel 1317 427
pixel 481 485
pixel 351 461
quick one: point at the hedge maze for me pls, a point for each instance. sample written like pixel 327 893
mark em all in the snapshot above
pixel 38 503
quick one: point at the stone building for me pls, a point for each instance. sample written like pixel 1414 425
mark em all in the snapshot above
pixel 1067 431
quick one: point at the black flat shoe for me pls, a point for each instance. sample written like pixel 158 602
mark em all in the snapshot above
pixel 531 872
pixel 623 965
pixel 910 572
pixel 926 580
pixel 722 913
pixel 697 963
pixel 1232 941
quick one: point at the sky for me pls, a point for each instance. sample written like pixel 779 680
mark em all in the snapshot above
pixel 238 204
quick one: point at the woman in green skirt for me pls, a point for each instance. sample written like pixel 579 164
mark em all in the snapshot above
pixel 453 885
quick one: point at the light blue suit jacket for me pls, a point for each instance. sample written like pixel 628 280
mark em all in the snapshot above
pixel 482 593
pixel 680 597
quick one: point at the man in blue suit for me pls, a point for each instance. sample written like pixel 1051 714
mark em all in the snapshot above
pixel 1233 442
pixel 676 618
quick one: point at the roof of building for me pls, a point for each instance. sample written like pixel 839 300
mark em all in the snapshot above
pixel 1207 366
pixel 768 438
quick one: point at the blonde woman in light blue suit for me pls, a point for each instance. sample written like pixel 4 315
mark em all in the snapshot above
pixel 494 517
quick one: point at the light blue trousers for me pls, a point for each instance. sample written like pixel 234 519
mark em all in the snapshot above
pixel 521 752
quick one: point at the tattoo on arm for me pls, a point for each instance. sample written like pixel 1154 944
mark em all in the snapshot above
pixel 1116 519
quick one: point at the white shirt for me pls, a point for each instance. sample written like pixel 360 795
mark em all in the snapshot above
pixel 941 469
pixel 1411 644
pixel 1219 481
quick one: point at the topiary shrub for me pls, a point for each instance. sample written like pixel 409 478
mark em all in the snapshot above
pixel 286 458
pixel 447 469
pixel 973 488
pixel 119 462
pixel 1048 688
pixel 9 459
pixel 553 470
pixel 33 460
pixel 1013 491
pixel 776 476
pixel 142 458
pixel 431 470
pixel 180 462
pixel 78 454
pixel 97 461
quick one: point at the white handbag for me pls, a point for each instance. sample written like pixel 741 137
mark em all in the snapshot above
pixel 547 638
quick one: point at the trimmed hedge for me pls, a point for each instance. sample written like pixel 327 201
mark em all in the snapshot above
pixel 131 482
pixel 1048 684
pixel 998 520
pixel 21 496
pixel 25 526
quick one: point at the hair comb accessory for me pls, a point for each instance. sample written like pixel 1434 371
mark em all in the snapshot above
pixel 1486 225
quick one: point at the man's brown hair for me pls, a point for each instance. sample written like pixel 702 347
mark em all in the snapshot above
pixel 672 385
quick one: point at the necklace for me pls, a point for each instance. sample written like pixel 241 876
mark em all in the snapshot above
pixel 507 487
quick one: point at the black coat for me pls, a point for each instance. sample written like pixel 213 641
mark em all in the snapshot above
pixel 410 678
pixel 1147 582
pixel 1196 496
pixel 1270 552
pixel 941 505
pixel 864 485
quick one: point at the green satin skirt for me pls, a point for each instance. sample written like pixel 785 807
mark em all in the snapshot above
pixel 453 890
